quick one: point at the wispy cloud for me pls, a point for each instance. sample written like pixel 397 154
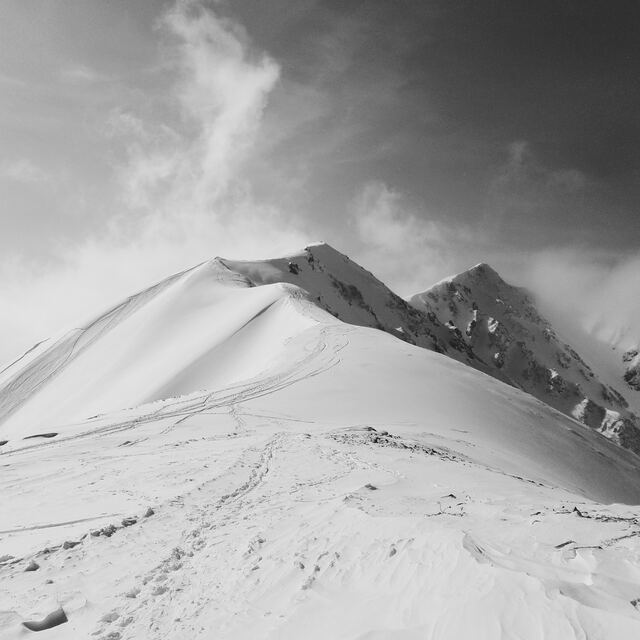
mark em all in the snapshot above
pixel 185 197
pixel 24 171
pixel 409 250
pixel 77 73
pixel 596 290
pixel 221 91
pixel 526 185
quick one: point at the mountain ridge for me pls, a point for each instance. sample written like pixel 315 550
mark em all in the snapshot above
pixel 221 454
pixel 502 325
pixel 474 317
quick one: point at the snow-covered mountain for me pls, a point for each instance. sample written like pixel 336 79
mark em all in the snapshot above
pixel 354 295
pixel 502 325
pixel 220 455
pixel 161 341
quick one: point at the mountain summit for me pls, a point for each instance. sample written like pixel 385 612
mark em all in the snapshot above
pixel 501 324
pixel 177 337
pixel 354 295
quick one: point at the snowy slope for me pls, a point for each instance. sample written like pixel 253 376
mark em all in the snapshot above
pixel 178 335
pixel 287 475
pixel 182 335
pixel 502 325
pixel 354 295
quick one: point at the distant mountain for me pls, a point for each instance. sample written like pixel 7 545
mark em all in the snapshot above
pixel 501 324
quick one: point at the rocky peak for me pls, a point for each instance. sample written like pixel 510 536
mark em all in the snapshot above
pixel 502 325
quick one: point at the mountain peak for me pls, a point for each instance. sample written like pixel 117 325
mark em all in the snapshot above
pixel 480 272
pixel 482 268
pixel 319 243
pixel 502 326
pixel 322 248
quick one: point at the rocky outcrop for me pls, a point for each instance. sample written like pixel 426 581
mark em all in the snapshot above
pixel 501 325
pixel 354 295
pixel 631 360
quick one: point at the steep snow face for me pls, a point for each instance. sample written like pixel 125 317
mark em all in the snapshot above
pixel 187 333
pixel 502 325
pixel 356 296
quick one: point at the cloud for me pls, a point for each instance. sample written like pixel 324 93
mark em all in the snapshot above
pixel 523 172
pixel 81 74
pixel 122 123
pixel 406 249
pixel 10 81
pixel 597 291
pixel 524 185
pixel 24 171
pixel 184 195
pixel 576 283
pixel 576 286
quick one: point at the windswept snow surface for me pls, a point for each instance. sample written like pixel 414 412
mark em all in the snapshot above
pixel 307 478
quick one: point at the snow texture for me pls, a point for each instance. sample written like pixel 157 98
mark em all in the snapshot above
pixel 219 456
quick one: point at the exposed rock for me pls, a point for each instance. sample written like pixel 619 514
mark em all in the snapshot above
pixel 590 413
pixel 631 359
pixel 69 544
pixel 503 328
pixel 54 619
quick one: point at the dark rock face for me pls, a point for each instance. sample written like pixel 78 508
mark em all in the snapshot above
pixel 502 327
pixel 590 413
pixel 69 544
pixel 54 619
pixel 352 294
pixel 632 373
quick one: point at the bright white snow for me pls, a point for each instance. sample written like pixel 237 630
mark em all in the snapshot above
pixel 308 479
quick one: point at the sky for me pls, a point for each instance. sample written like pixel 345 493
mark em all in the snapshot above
pixel 419 137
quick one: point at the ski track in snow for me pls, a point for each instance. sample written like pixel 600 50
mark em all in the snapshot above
pixel 271 509
pixel 338 533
